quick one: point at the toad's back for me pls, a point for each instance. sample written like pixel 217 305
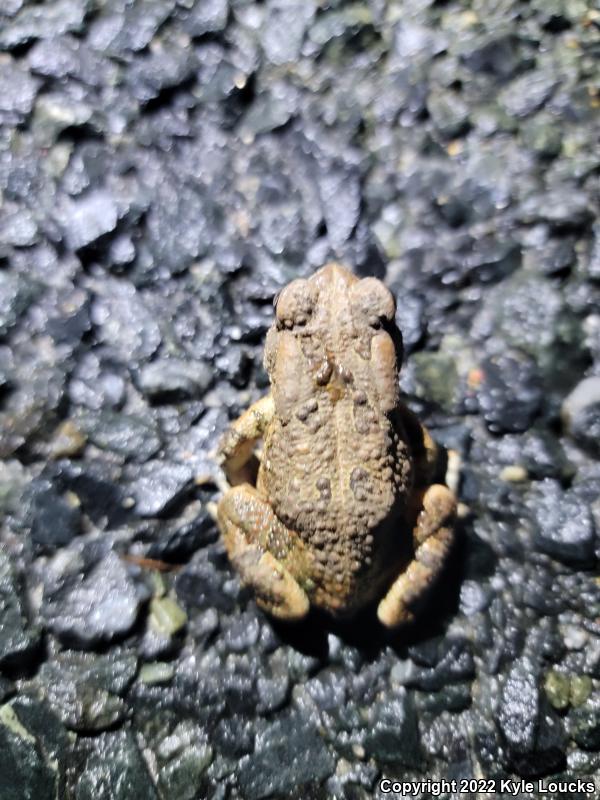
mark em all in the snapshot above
pixel 335 464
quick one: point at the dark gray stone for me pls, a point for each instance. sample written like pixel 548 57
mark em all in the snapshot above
pixel 510 394
pixel 115 763
pixel 122 251
pixel 158 486
pixel 16 294
pixel 241 634
pixel 497 54
pixel 95 386
pixel 125 321
pixel 95 609
pixel 273 689
pixel 179 225
pixel 18 228
pixel 64 56
pixel 528 92
pixel 584 724
pixel 206 16
pixel 234 737
pixel 29 410
pixel 339 188
pixel 593 265
pixel 7 689
pixel 81 705
pixel 18 91
pixel 410 318
pixel 343 24
pixel 83 689
pixel 53 519
pixel 200 584
pixel 436 378
pixel 131 436
pixel 170 379
pixel 557 256
pixel 285 26
pixel 328 690
pixel 532 316
pixel 488 259
pixel 581 414
pixel 565 524
pixel 69 324
pixel 413 40
pixel 18 639
pixel 88 218
pixel 160 72
pixel 130 29
pixel 35 22
pixel 440 663
pixel 564 207
pixel 11 7
pixel 26 770
pixel 456 697
pixel 449 113
pixel 98 488
pixel 281 223
pixel 519 709
pixel 295 745
pixel 183 756
pixel 392 736
pixel 533 734
pixel 178 544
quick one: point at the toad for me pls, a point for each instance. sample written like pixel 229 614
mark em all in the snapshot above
pixel 342 511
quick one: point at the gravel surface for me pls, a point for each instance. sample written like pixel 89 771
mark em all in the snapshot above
pixel 166 167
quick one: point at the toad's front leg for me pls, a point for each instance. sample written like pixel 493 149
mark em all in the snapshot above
pixel 236 448
pixel 432 535
pixel 264 552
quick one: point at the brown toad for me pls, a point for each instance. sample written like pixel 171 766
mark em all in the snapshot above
pixel 343 511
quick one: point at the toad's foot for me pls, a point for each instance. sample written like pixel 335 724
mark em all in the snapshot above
pixel 250 531
pixel 433 535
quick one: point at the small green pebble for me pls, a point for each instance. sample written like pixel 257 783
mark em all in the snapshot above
pixel 159 587
pixel 166 617
pixel 436 377
pixel 558 686
pixel 581 688
pixel 160 672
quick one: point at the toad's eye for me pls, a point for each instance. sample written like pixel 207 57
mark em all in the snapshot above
pixel 374 302
pixel 295 304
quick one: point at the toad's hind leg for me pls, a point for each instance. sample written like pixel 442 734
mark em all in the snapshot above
pixel 433 535
pixel 258 546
